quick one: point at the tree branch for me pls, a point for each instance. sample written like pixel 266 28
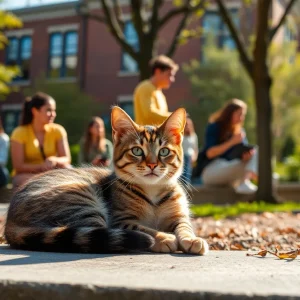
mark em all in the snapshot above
pixel 175 40
pixel 136 10
pixel 116 30
pixel 261 45
pixel 281 21
pixel 154 19
pixel 118 12
pixel 177 11
pixel 237 38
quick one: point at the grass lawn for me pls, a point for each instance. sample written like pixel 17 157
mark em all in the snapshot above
pixel 219 212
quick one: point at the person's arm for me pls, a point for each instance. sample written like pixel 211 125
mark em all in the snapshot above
pixel 222 148
pixel 18 160
pixel 196 148
pixel 63 158
pixel 219 149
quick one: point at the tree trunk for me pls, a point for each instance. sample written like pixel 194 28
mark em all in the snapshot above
pixel 144 68
pixel 264 137
pixel 145 56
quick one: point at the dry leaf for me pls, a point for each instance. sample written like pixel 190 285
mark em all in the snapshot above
pixel 261 253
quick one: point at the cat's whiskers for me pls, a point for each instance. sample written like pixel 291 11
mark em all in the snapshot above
pixel 186 188
pixel 111 183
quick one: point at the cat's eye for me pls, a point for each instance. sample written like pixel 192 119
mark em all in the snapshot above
pixel 164 152
pixel 137 151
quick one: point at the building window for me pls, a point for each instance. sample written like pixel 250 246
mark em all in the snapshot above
pixel 19 53
pixel 128 63
pixel 214 25
pixel 63 54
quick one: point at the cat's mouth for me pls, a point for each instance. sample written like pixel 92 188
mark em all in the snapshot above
pixel 151 175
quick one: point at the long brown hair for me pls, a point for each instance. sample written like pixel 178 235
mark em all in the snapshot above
pixel 36 101
pixel 88 137
pixel 224 117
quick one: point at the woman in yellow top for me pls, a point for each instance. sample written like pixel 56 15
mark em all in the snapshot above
pixel 38 145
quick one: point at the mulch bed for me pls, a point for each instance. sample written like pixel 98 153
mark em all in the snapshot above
pixel 246 232
pixel 251 231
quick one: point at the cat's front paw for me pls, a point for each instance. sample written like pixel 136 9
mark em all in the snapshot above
pixel 194 245
pixel 165 243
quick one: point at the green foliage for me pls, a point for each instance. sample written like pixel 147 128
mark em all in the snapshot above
pixel 74 154
pixel 215 80
pixel 289 170
pixel 219 212
pixel 288 148
pixel 284 62
pixel 7 73
pixel 74 108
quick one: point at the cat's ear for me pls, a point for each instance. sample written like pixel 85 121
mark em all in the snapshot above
pixel 173 127
pixel 121 123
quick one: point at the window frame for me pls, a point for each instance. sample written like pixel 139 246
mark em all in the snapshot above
pixel 19 59
pixel 123 53
pixel 62 71
pixel 223 31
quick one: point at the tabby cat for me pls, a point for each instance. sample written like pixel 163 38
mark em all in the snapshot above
pixel 141 206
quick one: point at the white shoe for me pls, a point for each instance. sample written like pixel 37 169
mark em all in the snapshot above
pixel 247 187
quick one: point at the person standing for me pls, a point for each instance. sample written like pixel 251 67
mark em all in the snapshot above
pixel 150 104
pixel 4 148
pixel 190 150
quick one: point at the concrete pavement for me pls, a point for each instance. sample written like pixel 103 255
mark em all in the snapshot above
pixel 219 275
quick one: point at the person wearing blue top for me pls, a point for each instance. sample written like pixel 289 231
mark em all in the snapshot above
pixel 227 158
pixel 4 148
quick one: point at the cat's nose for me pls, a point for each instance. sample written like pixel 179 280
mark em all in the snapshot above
pixel 152 166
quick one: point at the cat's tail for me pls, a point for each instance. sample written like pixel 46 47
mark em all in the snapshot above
pixel 84 239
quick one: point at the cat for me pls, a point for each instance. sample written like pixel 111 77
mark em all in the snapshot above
pixel 141 206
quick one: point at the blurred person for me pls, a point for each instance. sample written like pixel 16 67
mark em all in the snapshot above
pixel 190 150
pixel 226 158
pixel 95 149
pixel 150 104
pixel 38 144
pixel 4 149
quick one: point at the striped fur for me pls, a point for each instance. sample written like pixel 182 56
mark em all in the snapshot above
pixel 139 207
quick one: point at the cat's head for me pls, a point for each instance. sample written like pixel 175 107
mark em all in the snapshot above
pixel 148 154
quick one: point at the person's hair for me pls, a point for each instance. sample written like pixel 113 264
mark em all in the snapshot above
pixel 162 63
pixel 88 137
pixel 189 127
pixel 1 126
pixel 36 101
pixel 224 117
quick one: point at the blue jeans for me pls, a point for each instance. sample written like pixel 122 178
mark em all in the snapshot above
pixel 187 169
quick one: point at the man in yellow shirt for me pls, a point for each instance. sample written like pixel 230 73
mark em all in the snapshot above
pixel 150 104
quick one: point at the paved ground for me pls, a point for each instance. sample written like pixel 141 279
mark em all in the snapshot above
pixel 219 275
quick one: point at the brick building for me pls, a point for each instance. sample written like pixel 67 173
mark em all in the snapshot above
pixel 55 40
